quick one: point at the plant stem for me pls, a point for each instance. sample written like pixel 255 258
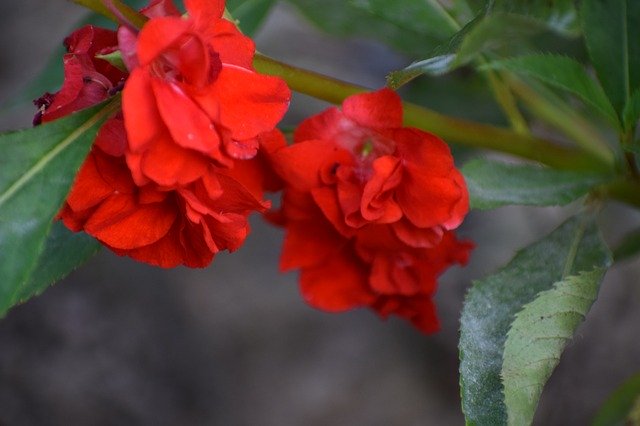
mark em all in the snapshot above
pixel 452 129
pixel 133 16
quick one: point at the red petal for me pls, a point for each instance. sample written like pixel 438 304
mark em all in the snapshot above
pixel 327 199
pixel 337 285
pixel 300 164
pixel 122 224
pixel 167 252
pixel 128 43
pixel 141 117
pixel 89 188
pixel 421 311
pixel 250 103
pixel 159 34
pixel 233 47
pixel 417 237
pixel 394 273
pixel 423 150
pixel 205 12
pixel 428 201
pixel 323 126
pixel 301 251
pixel 168 164
pixel 112 137
pixel 378 203
pixel 189 125
pixel 381 109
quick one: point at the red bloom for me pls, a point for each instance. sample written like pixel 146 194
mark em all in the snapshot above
pixel 170 179
pixel 193 97
pixel 87 80
pixel 369 210
pixel 154 225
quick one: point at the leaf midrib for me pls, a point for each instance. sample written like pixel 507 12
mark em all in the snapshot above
pixel 49 156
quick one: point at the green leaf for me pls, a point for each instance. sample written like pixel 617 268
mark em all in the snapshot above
pixel 417 15
pixel 537 338
pixel 559 15
pixel 492 303
pixel 631 111
pixel 63 252
pixel 612 31
pixel 492 33
pixel 617 409
pixel 563 73
pixel 250 13
pixel 342 18
pixel 495 184
pixel 37 168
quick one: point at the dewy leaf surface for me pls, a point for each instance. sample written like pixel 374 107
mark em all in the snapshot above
pixel 563 73
pixel 495 184
pixel 612 33
pixel 492 303
pixel 537 338
pixel 37 168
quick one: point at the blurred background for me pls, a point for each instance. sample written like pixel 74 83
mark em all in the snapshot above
pixel 121 343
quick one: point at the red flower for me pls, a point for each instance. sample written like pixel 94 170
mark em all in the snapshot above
pixel 369 210
pixel 87 80
pixel 154 225
pixel 170 179
pixel 193 97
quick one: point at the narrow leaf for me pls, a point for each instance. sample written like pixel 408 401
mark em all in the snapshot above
pixel 495 184
pixel 417 15
pixel 342 18
pixel 560 15
pixel 492 303
pixel 537 338
pixel 617 409
pixel 612 31
pixel 36 171
pixel 563 73
pixel 482 35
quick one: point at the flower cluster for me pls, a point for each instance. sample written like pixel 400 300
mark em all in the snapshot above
pixel 166 181
pixel 369 209
pixel 369 206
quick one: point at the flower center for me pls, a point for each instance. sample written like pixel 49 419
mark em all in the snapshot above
pixel 190 60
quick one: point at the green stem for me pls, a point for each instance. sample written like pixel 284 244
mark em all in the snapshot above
pixel 452 129
pixel 133 16
pixel 507 102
